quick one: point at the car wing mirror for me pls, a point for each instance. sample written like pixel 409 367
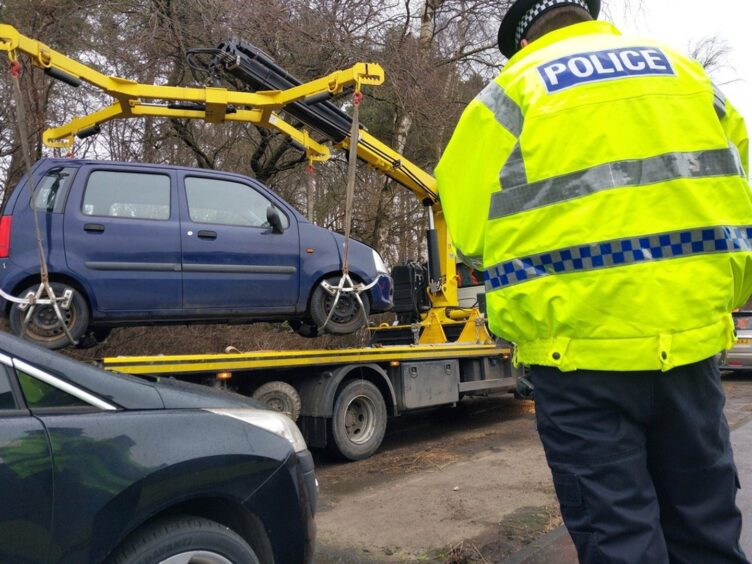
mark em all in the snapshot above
pixel 272 216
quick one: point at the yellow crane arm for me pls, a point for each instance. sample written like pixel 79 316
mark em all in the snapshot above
pixel 213 105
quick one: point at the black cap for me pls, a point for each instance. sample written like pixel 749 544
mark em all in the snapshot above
pixel 531 10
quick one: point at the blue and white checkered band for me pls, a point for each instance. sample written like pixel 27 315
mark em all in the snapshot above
pixel 532 14
pixel 620 253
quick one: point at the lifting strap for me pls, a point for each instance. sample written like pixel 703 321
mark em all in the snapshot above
pixel 345 285
pixel 29 302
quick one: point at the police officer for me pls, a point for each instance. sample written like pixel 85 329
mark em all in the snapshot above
pixel 614 179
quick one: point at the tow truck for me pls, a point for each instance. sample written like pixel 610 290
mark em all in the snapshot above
pixel 340 398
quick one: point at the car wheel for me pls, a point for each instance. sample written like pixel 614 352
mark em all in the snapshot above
pixel 358 422
pixel 347 317
pixel 280 396
pixel 44 328
pixel 185 540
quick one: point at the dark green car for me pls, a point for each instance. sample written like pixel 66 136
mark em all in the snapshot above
pixel 103 467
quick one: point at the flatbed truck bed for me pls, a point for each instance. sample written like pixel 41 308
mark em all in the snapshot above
pixel 342 398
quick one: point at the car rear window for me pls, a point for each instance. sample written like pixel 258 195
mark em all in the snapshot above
pixel 127 194
pixel 40 394
pixel 52 190
pixel 7 400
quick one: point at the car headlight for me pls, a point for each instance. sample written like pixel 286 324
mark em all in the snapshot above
pixel 272 421
pixel 379 263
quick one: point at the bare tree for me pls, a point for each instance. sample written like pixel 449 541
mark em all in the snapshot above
pixel 712 52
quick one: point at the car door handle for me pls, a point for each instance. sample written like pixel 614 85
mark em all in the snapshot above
pixel 94 228
pixel 204 234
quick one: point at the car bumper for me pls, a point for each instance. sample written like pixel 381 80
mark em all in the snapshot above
pixel 286 504
pixel 382 294
pixel 309 498
pixel 736 360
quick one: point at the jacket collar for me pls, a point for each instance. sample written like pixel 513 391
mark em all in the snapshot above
pixel 575 30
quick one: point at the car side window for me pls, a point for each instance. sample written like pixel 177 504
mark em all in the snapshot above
pixel 50 192
pixel 7 399
pixel 40 394
pixel 227 203
pixel 134 195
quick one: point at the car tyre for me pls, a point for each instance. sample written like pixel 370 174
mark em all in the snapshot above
pixel 280 396
pixel 44 328
pixel 183 540
pixel 358 421
pixel 347 317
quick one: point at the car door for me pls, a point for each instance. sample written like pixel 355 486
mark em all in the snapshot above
pixel 91 464
pixel 232 258
pixel 122 236
pixel 25 477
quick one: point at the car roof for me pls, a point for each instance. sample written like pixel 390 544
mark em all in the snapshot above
pixel 80 162
pixel 124 390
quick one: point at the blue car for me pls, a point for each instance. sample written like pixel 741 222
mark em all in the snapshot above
pixel 141 244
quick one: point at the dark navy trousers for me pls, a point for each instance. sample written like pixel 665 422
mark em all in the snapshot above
pixel 642 463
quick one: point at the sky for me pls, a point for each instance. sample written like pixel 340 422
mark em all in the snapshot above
pixel 681 22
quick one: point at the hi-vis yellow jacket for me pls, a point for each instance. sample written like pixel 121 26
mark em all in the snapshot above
pixel 602 183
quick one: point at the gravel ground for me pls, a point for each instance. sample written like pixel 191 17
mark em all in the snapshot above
pixel 468 484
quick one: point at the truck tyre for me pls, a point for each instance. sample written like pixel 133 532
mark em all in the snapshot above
pixel 358 421
pixel 347 317
pixel 44 327
pixel 280 396
pixel 184 539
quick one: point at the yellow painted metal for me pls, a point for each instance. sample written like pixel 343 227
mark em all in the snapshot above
pixel 257 107
pixel 475 330
pixel 134 99
pixel 433 332
pixel 290 359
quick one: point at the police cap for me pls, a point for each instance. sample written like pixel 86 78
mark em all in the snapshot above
pixel 524 13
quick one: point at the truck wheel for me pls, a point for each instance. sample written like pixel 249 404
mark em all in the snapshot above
pixel 280 396
pixel 44 327
pixel 358 422
pixel 185 540
pixel 347 317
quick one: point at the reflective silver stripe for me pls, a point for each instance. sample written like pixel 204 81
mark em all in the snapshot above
pixel 619 174
pixel 56 382
pixel 513 173
pixel 719 102
pixel 506 110
pixel 620 252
